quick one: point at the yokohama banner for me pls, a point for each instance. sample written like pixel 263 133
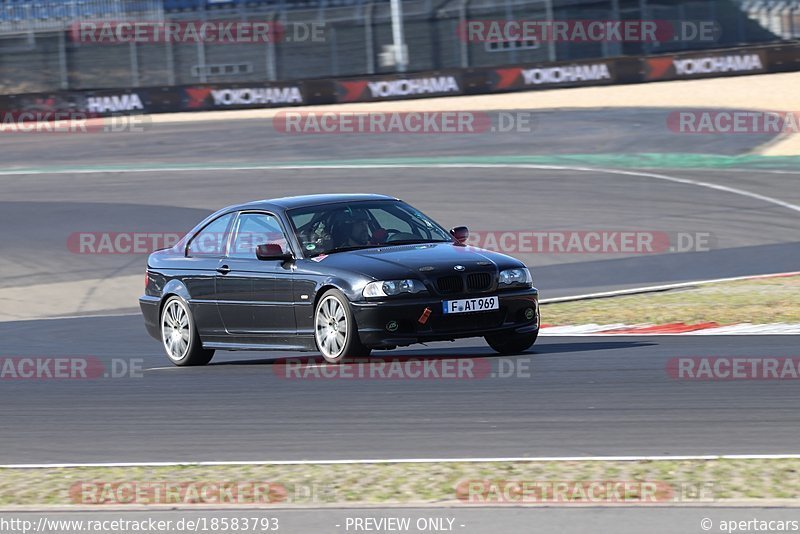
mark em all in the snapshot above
pixel 90 103
pixel 783 57
pixel 705 65
pixel 397 87
pixel 552 75
pixel 255 95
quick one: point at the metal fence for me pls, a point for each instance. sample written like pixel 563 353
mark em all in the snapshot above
pixel 779 17
pixel 40 51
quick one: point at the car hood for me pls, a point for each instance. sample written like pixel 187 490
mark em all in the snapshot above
pixel 422 260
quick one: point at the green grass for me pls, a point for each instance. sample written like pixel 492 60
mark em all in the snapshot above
pixel 769 300
pixel 411 483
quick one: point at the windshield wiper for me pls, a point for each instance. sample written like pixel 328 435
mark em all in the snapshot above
pixel 389 244
pixel 415 241
pixel 343 249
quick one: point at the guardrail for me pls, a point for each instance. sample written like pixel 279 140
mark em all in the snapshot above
pixel 525 77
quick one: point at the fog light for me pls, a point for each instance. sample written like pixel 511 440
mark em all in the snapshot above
pixel 529 313
pixel 392 326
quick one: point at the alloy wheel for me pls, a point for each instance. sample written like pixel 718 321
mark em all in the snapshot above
pixel 331 327
pixel 175 330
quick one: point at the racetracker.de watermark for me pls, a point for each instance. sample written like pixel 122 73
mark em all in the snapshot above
pixel 69 122
pixel 517 492
pixel 732 368
pixel 68 368
pixel 733 122
pixel 196 31
pixel 125 242
pixel 147 242
pixel 403 368
pixel 588 31
pixel 405 122
pixel 507 241
pixel 191 492
pixel 590 241
pixel 199 492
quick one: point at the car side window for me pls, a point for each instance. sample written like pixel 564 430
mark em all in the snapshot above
pixel 253 229
pixel 210 241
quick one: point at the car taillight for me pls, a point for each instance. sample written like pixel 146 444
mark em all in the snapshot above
pixel 146 279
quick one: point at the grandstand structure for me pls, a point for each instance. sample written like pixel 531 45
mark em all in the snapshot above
pixel 39 51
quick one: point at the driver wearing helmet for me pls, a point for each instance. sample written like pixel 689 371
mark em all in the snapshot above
pixel 352 230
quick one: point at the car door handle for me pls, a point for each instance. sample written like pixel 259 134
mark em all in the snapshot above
pixel 223 269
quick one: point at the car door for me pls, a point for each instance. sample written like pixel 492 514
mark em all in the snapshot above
pixel 255 296
pixel 203 254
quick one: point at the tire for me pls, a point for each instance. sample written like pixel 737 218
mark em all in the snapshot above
pixel 512 343
pixel 335 330
pixel 179 335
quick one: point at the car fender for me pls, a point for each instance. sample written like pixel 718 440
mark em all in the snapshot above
pixel 350 291
pixel 176 287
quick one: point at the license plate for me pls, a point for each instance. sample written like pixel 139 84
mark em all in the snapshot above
pixel 470 305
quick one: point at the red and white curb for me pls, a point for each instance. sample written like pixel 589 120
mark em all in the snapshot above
pixel 700 329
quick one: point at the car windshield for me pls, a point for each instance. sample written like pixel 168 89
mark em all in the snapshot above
pixel 330 228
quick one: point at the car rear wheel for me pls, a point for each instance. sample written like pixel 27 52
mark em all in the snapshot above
pixel 179 335
pixel 512 343
pixel 335 329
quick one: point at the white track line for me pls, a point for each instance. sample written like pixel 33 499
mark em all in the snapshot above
pixel 706 169
pixel 537 459
pixel 741 329
pixel 687 181
pixel 708 185
pixel 88 316
pixel 110 170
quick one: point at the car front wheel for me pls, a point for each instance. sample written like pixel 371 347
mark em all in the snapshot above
pixel 335 328
pixel 512 343
pixel 179 335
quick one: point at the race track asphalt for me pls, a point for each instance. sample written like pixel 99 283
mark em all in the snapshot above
pixel 585 396
pixel 567 397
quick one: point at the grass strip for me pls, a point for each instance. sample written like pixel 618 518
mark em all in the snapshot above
pixel 458 483
pixel 760 301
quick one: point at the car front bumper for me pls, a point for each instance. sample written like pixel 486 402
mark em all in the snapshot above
pixel 399 322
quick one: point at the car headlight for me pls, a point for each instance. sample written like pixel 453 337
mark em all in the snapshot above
pixel 388 288
pixel 518 276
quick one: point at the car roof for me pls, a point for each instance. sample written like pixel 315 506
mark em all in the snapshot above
pixel 311 200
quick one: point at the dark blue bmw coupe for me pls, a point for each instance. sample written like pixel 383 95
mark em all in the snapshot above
pixel 341 274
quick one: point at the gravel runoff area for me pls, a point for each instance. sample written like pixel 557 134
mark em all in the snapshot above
pixel 768 92
pixel 596 482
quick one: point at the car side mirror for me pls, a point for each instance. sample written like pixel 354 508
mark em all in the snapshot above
pixel 460 234
pixel 272 251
